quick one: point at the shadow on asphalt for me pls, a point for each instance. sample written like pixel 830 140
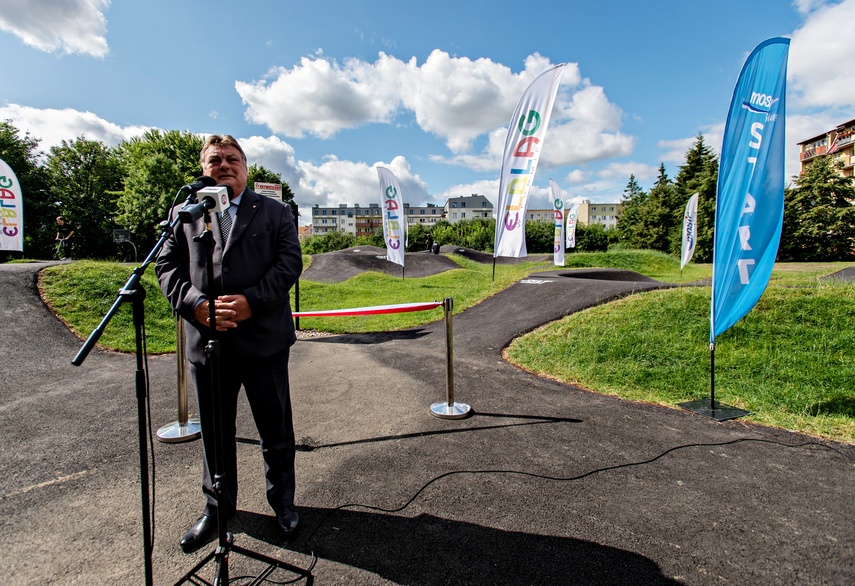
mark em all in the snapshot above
pixel 428 550
pixel 370 338
pixel 309 445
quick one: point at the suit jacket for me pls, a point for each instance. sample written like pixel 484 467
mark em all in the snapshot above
pixel 262 261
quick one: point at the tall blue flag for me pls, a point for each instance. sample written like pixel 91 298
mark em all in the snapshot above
pixel 750 199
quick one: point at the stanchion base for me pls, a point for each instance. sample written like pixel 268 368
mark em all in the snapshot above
pixel 716 410
pixel 175 432
pixel 445 410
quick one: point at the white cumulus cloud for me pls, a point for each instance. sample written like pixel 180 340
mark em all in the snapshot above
pixel 52 126
pixel 335 182
pixel 455 98
pixel 822 58
pixel 65 26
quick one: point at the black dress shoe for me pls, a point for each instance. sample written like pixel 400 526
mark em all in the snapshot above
pixel 199 534
pixel 288 521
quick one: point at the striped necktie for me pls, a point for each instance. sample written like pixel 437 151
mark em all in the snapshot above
pixel 225 223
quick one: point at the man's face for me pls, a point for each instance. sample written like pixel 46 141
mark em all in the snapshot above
pixel 226 165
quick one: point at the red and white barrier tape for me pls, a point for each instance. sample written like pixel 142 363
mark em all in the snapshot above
pixel 375 310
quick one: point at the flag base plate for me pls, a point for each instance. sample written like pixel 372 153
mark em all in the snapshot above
pixel 445 410
pixel 177 432
pixel 713 409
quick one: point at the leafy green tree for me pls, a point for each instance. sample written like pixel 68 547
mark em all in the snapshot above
pixel 155 166
pixel 540 236
pixel 416 238
pixel 329 242
pixel 22 155
pixel 146 199
pixel 475 233
pixel 819 215
pixel 481 234
pixel 182 148
pixel 592 238
pixel 443 233
pixel 376 239
pixel 85 177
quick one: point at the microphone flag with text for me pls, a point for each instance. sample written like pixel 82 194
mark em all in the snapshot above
pixel 215 199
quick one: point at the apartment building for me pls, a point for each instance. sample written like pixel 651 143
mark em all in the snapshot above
pixel 838 143
pixel 467 208
pixel 362 220
pixel 606 214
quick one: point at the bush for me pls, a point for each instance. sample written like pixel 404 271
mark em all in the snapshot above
pixel 329 242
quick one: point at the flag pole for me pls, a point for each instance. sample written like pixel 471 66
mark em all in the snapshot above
pixel 494 269
pixel 709 407
pixel 712 378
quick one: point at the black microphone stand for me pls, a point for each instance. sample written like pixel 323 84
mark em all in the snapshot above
pixel 225 540
pixel 133 292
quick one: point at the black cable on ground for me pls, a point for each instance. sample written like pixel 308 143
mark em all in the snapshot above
pixel 565 478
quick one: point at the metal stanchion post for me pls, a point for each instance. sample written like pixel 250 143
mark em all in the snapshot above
pixel 449 409
pixel 184 429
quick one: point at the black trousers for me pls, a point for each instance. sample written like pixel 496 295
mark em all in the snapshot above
pixel 265 381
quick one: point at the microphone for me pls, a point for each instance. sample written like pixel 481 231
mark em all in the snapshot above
pixel 200 183
pixel 210 198
pixel 216 198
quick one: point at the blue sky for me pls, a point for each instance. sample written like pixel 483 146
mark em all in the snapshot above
pixel 324 91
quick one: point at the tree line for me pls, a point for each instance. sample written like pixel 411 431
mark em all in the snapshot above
pixel 819 218
pixel 819 211
pixel 133 185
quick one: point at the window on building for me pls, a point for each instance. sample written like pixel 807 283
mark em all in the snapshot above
pixel 463 204
pixel 454 204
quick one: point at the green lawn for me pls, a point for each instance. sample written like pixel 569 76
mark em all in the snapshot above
pixel 790 361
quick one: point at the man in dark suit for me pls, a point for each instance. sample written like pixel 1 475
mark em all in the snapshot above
pixel 256 261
